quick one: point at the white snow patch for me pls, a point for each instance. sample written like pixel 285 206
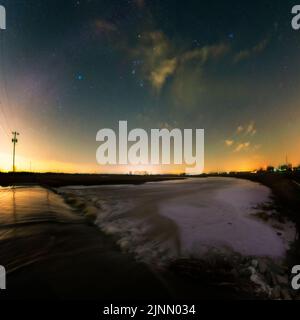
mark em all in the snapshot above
pixel 166 220
pixel 222 219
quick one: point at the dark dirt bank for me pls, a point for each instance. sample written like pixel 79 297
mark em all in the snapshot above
pixel 61 179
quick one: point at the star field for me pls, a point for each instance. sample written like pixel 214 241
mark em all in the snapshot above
pixel 69 68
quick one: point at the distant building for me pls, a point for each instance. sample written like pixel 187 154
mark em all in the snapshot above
pixel 285 168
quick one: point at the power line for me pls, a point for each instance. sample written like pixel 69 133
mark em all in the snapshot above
pixel 14 141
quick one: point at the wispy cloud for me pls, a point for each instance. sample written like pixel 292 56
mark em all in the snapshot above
pixel 161 58
pixel 242 146
pixel 205 53
pixel 162 72
pixel 240 129
pixel 248 129
pixel 104 27
pixel 229 143
pixel 155 51
pixel 248 53
pixel 200 55
pixel 243 132
pixel 256 147
pixel 251 130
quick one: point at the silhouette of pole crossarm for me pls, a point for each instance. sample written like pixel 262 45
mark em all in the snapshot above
pixel 14 141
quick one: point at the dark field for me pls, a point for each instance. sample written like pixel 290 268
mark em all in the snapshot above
pixel 60 179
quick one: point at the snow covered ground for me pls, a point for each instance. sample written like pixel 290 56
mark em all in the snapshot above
pixel 185 218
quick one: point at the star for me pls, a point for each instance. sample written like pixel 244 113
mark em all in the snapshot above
pixel 197 43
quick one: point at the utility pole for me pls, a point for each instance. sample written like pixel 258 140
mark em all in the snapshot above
pixel 14 141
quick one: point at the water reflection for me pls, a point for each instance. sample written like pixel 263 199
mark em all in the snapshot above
pixel 21 205
pixel 14 205
pixel 29 217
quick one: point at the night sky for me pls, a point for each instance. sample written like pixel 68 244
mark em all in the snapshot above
pixel 69 68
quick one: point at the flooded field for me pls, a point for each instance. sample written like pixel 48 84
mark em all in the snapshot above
pixel 46 241
pixel 187 218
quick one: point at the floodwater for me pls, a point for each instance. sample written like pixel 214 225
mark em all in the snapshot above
pixel 28 219
pixel 30 205
pixel 167 220
pixel 49 251
pixel 155 222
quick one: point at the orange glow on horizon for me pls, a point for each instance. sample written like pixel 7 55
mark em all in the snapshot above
pixel 27 165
